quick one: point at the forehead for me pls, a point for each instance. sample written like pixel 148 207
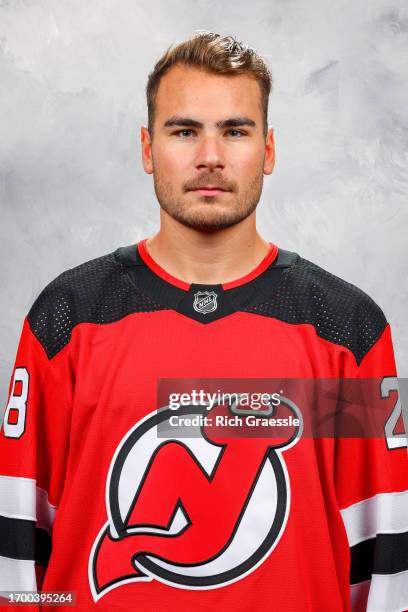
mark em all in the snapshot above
pixel 189 90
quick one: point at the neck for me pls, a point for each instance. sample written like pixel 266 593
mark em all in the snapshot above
pixel 209 258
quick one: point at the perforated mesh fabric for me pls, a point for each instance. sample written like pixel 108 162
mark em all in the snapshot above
pixel 101 291
pixel 340 312
pixel 97 291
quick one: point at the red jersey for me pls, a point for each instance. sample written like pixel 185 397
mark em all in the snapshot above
pixel 100 496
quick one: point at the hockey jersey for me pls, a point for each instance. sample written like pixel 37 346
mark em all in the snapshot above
pixel 101 495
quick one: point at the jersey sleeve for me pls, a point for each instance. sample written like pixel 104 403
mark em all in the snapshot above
pixel 34 441
pixel 371 482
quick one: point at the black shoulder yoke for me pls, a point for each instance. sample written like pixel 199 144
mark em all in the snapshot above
pixel 97 291
pixel 292 289
pixel 339 311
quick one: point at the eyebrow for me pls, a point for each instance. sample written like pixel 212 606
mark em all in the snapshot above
pixel 187 121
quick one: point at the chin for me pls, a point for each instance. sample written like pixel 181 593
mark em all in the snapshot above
pixel 209 222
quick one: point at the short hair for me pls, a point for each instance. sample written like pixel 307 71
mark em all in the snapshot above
pixel 214 54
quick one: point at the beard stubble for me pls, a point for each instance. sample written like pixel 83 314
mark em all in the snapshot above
pixel 209 213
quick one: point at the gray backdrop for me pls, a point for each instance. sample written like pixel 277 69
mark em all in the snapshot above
pixel 72 79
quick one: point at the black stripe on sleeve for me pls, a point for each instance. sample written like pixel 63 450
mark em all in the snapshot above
pixel 21 539
pixel 384 554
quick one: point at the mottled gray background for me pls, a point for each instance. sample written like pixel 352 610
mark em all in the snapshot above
pixel 72 79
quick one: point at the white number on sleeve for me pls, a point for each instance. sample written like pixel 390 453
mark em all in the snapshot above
pixel 394 440
pixel 15 415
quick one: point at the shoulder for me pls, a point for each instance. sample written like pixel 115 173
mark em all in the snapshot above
pixel 96 291
pixel 340 312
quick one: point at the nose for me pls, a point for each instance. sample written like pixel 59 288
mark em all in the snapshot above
pixel 209 153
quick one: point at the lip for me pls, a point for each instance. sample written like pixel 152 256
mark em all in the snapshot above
pixel 209 191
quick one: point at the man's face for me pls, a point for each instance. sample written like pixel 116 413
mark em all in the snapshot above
pixel 208 132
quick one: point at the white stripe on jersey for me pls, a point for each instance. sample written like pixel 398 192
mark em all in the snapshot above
pixel 382 513
pixel 17 575
pixel 20 498
pixel 386 593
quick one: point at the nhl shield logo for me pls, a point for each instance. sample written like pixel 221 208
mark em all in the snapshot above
pixel 205 301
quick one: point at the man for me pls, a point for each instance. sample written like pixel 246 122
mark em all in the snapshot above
pixel 101 493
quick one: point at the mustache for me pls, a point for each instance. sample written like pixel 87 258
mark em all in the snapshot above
pixel 204 181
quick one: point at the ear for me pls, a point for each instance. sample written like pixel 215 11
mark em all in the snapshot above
pixel 269 162
pixel 146 150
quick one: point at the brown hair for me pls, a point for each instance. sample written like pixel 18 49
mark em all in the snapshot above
pixel 215 54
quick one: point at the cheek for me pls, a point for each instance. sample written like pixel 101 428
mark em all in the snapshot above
pixel 173 157
pixel 246 166
pixel 246 156
pixel 170 171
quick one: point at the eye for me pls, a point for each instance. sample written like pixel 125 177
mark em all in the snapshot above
pixel 182 132
pixel 237 132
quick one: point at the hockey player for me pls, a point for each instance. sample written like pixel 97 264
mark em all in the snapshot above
pixel 99 495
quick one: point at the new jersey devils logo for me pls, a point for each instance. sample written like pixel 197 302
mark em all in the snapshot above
pixel 194 513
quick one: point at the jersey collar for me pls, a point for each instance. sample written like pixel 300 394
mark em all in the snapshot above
pixel 169 278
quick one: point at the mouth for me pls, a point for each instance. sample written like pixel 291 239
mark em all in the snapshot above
pixel 209 191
